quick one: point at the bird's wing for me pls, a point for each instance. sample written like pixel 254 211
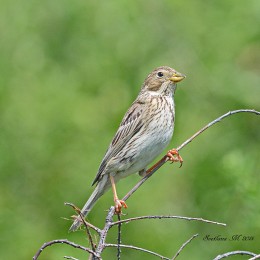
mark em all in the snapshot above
pixel 130 125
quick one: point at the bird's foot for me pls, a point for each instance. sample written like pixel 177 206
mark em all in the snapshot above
pixel 118 206
pixel 174 156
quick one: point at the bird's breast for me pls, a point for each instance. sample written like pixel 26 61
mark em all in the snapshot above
pixel 151 140
pixel 155 134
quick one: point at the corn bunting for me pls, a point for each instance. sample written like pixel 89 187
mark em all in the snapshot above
pixel 143 134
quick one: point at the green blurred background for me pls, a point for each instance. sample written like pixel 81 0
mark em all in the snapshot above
pixel 69 71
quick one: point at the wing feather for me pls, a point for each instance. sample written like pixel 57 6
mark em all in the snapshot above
pixel 130 125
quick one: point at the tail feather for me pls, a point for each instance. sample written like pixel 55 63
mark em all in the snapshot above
pixel 100 189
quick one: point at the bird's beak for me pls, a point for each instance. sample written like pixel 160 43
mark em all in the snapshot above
pixel 177 77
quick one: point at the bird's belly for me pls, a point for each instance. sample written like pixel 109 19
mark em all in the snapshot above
pixel 148 143
pixel 146 148
pixel 152 147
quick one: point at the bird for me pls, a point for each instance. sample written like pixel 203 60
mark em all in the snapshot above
pixel 145 131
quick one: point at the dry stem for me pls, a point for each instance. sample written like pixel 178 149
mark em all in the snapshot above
pixel 109 219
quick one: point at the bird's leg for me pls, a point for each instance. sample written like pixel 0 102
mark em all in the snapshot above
pixel 118 203
pixel 174 156
pixel 142 173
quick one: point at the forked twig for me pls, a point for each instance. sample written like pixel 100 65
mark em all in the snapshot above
pixel 85 223
pixel 103 235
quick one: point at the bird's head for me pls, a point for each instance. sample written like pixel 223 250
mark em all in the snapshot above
pixel 162 80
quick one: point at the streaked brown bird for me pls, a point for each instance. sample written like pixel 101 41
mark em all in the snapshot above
pixel 143 134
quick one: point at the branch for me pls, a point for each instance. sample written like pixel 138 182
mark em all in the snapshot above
pixel 185 244
pixel 103 233
pixel 230 113
pixel 139 249
pixel 119 232
pixel 160 163
pixel 109 219
pixel 64 241
pixel 234 253
pixel 255 257
pixel 70 257
pixel 85 223
pixel 166 217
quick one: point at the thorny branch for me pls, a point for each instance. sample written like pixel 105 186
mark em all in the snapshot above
pixel 109 219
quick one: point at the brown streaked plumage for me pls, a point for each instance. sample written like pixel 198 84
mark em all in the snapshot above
pixel 145 131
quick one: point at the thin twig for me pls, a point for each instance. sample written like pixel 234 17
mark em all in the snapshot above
pixel 89 235
pixel 78 211
pixel 85 223
pixel 230 113
pixel 119 238
pixel 234 253
pixel 63 241
pixel 167 217
pixel 70 257
pixel 161 162
pixel 139 249
pixel 255 257
pixel 182 247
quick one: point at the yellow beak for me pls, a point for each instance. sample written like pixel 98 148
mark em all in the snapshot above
pixel 177 77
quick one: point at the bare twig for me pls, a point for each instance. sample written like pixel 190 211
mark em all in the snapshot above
pixel 160 163
pixel 109 219
pixel 119 237
pixel 89 236
pixel 70 257
pixel 85 223
pixel 103 233
pixel 63 241
pixel 255 257
pixel 139 249
pixel 234 253
pixel 230 113
pixel 182 247
pixel 167 217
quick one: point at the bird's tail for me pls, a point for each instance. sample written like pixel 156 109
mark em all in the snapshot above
pixel 100 189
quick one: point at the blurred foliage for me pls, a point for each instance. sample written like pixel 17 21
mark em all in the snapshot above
pixel 70 69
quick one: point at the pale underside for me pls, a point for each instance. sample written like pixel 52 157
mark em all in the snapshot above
pixel 134 146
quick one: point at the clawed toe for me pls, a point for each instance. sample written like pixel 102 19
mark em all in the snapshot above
pixel 118 206
pixel 174 156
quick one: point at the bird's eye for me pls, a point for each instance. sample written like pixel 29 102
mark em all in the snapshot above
pixel 160 74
